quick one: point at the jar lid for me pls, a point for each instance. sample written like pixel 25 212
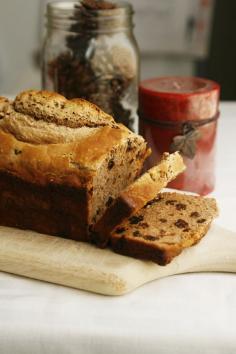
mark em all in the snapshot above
pixel 178 98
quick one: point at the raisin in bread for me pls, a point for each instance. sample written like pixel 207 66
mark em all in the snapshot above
pixel 62 162
pixel 136 195
pixel 164 227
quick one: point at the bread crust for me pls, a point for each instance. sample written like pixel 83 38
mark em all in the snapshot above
pixel 53 107
pixel 73 164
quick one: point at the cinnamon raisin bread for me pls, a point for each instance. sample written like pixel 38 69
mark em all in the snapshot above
pixel 136 195
pixel 164 227
pixel 62 163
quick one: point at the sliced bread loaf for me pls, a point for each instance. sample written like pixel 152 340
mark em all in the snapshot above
pixel 164 227
pixel 62 162
pixel 136 195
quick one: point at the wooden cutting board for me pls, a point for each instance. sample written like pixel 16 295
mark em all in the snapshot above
pixel 84 266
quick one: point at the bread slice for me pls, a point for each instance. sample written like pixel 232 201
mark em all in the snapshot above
pixel 164 227
pixel 136 195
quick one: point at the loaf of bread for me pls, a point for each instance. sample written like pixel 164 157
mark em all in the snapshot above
pixel 136 195
pixel 164 227
pixel 62 163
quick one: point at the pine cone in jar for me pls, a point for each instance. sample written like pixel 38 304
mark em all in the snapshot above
pixel 118 61
pixel 102 99
pixel 72 77
pixel 101 61
pixel 123 61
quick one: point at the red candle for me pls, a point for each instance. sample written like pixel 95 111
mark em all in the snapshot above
pixel 180 114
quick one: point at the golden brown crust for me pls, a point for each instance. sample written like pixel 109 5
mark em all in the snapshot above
pixel 52 107
pixel 4 103
pixel 26 128
pixel 42 117
pixel 73 163
pixel 60 147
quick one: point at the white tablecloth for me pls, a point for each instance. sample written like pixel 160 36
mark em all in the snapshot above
pixel 194 313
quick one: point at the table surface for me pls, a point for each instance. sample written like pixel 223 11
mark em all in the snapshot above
pixel 193 313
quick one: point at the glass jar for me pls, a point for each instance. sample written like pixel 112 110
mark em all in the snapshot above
pixel 180 114
pixel 91 53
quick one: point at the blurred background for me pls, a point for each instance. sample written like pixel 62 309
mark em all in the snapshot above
pixel 176 37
